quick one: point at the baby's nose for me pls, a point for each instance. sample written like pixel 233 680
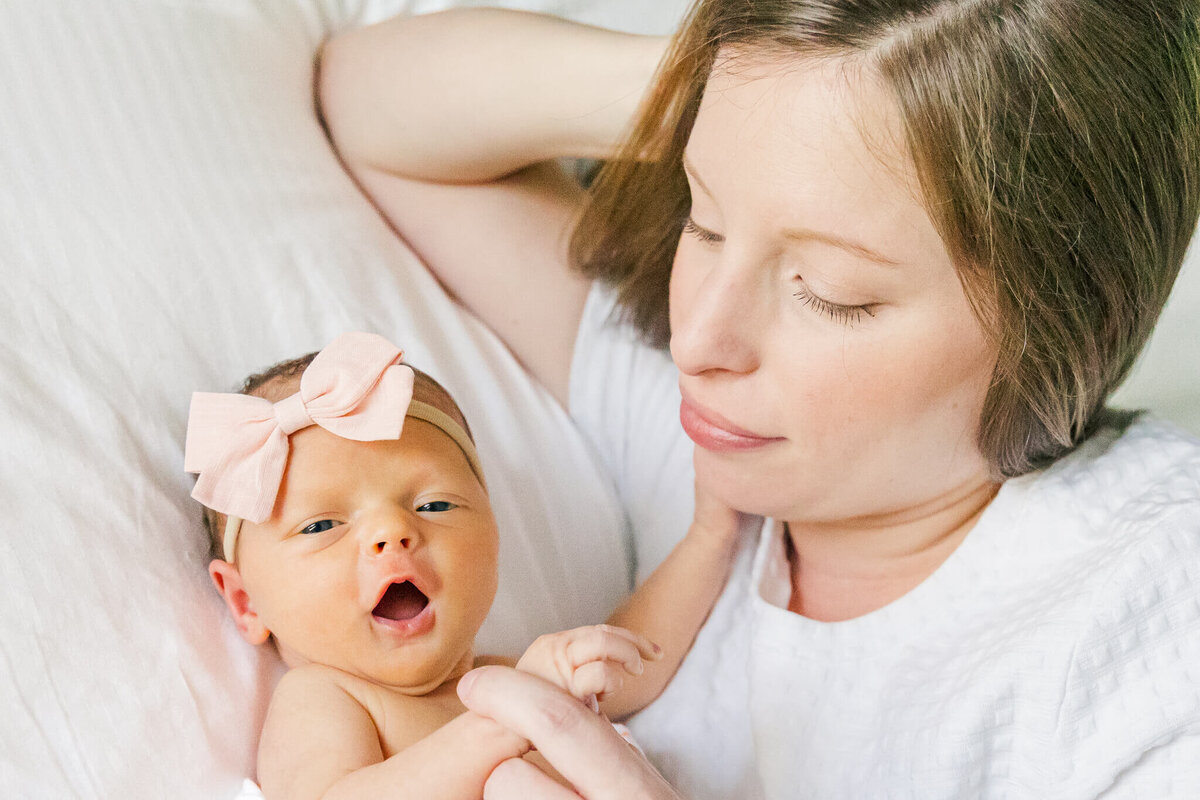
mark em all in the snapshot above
pixel 389 532
pixel 394 543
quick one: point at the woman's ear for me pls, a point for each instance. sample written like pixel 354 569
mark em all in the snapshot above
pixel 228 580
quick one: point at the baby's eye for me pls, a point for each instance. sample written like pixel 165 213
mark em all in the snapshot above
pixel 438 505
pixel 320 526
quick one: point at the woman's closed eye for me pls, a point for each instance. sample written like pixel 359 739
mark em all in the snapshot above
pixel 838 312
pixel 703 234
pixel 844 314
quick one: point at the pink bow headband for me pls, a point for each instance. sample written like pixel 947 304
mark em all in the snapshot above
pixel 355 388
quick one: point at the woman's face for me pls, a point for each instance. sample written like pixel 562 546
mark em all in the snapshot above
pixel 831 366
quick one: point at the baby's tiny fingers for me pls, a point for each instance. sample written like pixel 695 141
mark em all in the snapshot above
pixel 596 678
pixel 646 648
pixel 606 643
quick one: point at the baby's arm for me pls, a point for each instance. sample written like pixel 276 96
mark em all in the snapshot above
pixel 319 741
pixel 672 604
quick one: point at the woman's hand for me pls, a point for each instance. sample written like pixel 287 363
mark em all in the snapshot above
pixel 582 745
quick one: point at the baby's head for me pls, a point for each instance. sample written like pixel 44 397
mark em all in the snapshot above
pixel 377 552
pixel 283 380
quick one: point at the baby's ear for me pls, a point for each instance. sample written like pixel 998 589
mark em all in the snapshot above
pixel 228 580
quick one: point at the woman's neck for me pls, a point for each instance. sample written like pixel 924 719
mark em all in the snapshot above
pixel 845 569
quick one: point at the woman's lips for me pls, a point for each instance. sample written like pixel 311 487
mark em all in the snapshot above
pixel 707 430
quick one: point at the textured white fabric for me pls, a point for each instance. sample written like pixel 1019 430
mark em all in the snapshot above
pixel 172 218
pixel 1055 654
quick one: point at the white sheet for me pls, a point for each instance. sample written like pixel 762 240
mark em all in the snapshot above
pixel 171 218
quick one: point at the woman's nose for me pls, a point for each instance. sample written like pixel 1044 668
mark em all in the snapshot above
pixel 388 531
pixel 715 319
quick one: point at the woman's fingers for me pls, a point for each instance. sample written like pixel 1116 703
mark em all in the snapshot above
pixel 580 744
pixel 517 779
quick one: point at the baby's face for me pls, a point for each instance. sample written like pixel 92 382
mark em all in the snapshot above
pixel 379 558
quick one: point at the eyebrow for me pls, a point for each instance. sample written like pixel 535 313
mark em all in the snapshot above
pixel 808 234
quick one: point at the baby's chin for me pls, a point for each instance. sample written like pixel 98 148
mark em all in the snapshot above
pixel 422 685
pixel 404 679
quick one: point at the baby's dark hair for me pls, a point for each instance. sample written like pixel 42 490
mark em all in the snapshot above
pixel 283 371
pixel 278 381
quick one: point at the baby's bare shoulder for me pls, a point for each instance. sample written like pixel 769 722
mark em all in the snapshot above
pixel 311 681
pixel 316 690
pixel 313 678
pixel 396 718
pixel 314 730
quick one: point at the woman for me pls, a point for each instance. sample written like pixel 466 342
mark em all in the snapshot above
pixel 909 249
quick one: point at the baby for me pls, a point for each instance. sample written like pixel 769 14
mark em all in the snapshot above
pixel 346 497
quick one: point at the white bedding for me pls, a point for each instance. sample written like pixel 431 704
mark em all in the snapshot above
pixel 171 218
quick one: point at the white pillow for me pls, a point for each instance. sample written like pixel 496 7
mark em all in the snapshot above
pixel 172 218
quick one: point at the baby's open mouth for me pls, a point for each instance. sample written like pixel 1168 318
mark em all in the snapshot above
pixel 400 602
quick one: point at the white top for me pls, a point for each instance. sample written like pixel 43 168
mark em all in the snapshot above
pixel 1055 654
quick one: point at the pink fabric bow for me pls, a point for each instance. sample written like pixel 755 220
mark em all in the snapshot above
pixel 355 388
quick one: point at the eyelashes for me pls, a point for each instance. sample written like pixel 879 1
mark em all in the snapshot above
pixel 846 315
pixel 843 314
pixel 703 234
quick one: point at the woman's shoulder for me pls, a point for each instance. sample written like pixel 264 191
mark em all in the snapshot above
pixel 1125 480
pixel 1136 490
pixel 624 397
pixel 1129 502
pixel 1123 514
pixel 607 333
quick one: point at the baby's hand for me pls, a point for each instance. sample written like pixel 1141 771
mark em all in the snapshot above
pixel 714 520
pixel 589 662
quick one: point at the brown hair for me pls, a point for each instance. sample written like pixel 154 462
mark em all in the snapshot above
pixel 280 380
pixel 1057 144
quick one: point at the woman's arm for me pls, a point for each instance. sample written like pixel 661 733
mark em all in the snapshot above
pixel 471 95
pixel 449 122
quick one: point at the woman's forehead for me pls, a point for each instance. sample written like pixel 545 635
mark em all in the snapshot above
pixel 802 97
pixel 811 143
